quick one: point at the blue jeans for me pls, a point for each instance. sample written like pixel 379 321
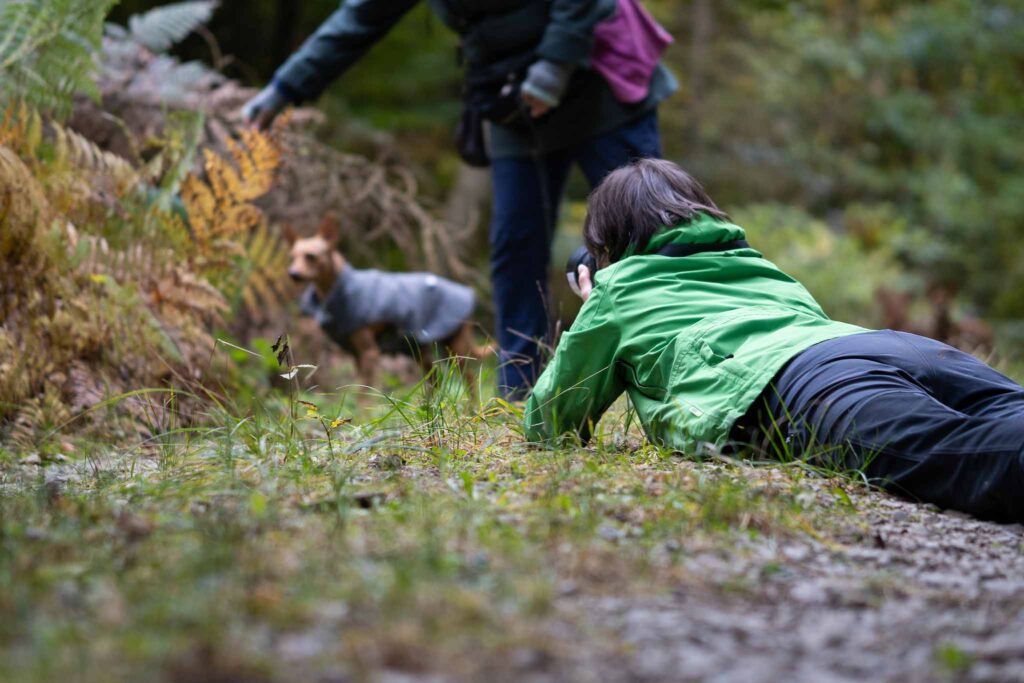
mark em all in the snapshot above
pixel 527 194
pixel 918 417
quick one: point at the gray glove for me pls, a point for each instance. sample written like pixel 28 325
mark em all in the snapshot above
pixel 547 81
pixel 261 110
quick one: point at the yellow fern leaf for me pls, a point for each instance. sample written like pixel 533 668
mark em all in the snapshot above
pixel 223 179
pixel 246 168
pixel 238 220
pixel 267 250
pixel 201 208
pixel 223 219
pixel 266 286
pixel 258 158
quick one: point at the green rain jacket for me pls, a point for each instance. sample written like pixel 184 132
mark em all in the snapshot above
pixel 693 340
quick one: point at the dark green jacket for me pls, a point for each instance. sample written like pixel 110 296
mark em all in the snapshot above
pixel 693 340
pixel 491 30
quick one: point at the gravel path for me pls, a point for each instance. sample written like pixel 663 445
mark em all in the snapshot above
pixel 910 594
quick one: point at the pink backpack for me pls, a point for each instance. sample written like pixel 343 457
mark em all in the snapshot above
pixel 627 49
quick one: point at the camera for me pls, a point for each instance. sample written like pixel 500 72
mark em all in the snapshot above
pixel 580 257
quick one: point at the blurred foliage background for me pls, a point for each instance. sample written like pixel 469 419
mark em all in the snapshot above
pixel 893 126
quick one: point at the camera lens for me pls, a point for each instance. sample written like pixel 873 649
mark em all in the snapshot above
pixel 579 257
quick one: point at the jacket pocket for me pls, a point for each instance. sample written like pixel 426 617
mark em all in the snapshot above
pixel 710 355
pixel 704 382
pixel 709 369
pixel 720 358
pixel 729 341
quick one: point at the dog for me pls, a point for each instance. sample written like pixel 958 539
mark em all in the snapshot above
pixel 361 310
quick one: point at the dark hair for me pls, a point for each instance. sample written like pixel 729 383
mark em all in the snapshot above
pixel 636 201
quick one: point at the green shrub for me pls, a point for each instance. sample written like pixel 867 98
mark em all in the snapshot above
pixel 838 268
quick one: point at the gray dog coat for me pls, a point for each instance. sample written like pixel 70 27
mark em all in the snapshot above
pixel 421 306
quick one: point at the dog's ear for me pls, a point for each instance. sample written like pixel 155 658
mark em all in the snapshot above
pixel 329 227
pixel 289 234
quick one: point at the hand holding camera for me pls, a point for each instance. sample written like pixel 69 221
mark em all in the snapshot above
pixel 579 271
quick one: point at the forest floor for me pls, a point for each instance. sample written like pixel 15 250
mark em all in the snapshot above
pixel 429 544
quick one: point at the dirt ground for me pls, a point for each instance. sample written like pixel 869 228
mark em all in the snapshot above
pixel 839 584
pixel 912 594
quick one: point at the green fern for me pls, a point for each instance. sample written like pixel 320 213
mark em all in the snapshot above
pixel 160 28
pixel 48 49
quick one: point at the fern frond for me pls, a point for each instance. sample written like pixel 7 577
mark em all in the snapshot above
pixel 201 207
pixel 160 28
pixel 36 413
pixel 257 157
pixel 141 263
pixel 74 150
pixel 23 206
pixel 220 207
pixel 224 180
pixel 266 286
pixel 48 49
pixel 186 294
pixel 21 127
pixel 239 220
pixel 175 85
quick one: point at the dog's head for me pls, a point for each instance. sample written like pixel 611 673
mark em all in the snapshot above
pixel 315 259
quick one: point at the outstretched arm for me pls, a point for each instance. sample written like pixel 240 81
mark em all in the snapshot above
pixel 339 42
pixel 581 382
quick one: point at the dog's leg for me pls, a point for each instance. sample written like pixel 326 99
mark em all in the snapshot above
pixel 364 343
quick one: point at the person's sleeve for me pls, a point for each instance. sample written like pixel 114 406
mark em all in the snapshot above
pixel 569 37
pixel 581 381
pixel 340 41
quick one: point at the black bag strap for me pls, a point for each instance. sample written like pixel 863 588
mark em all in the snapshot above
pixel 691 249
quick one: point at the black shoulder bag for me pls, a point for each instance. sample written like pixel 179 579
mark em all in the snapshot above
pixel 491 93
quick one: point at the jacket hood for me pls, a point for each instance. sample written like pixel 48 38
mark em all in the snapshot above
pixel 702 230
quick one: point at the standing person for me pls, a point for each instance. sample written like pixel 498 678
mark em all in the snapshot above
pixel 570 114
pixel 714 344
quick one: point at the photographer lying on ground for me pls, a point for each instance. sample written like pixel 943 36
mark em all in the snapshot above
pixel 714 344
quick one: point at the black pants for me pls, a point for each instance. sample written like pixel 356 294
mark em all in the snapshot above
pixel 527 194
pixel 918 417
